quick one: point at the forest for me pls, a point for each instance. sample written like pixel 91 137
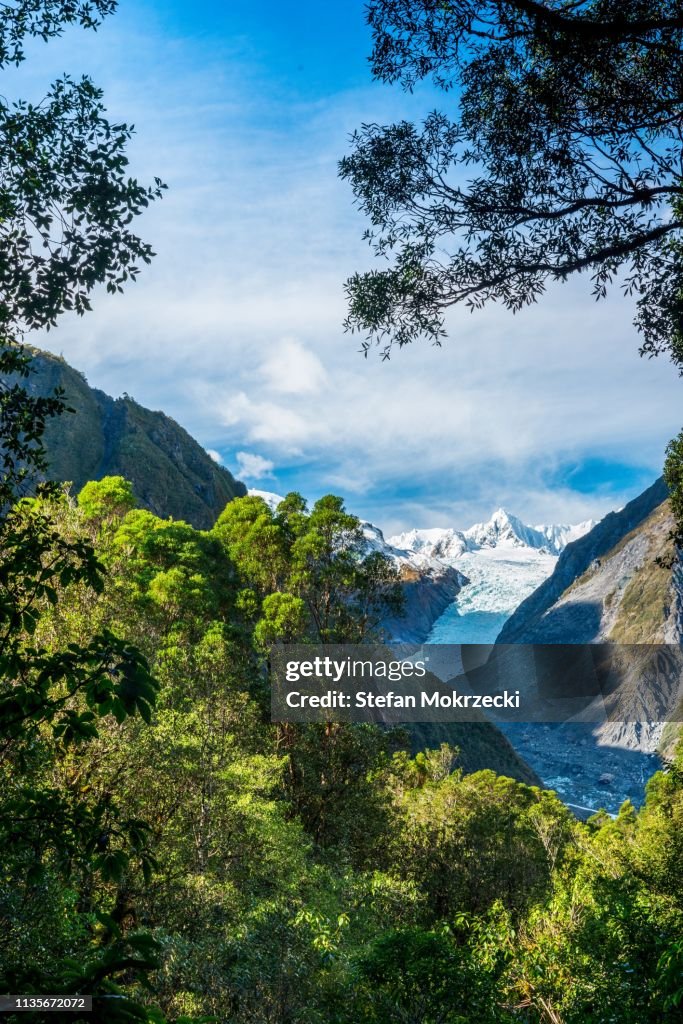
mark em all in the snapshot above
pixel 166 848
pixel 166 844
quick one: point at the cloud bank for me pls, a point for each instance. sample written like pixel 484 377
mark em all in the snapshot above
pixel 236 331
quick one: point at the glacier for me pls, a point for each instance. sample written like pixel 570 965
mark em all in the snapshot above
pixel 504 559
pixel 500 562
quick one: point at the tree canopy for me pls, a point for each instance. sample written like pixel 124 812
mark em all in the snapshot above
pixel 558 152
pixel 67 202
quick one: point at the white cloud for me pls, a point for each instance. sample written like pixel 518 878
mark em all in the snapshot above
pixel 293 369
pixel 213 454
pixel 235 329
pixel 253 467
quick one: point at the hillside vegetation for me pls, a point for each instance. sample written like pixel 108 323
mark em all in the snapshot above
pixel 282 874
pixel 171 474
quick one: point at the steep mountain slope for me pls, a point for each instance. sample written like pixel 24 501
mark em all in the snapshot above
pixel 608 587
pixel 589 593
pixel 480 745
pixel 171 474
pixel 429 587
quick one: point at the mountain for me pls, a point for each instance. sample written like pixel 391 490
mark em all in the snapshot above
pixel 446 544
pixel 596 581
pixel 171 474
pixel 502 530
pixel 608 587
pixel 504 560
pixel 429 584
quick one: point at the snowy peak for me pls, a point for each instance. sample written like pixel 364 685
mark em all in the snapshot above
pixel 271 499
pixel 557 537
pixel 443 544
pixel 504 529
pixel 420 557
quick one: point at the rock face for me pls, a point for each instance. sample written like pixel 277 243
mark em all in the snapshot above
pixel 595 585
pixel 171 474
pixel 608 587
pixel 428 592
pixel 429 587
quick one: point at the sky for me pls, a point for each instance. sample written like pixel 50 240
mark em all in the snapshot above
pixel 236 329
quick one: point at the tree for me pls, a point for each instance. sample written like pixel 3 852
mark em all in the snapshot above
pixel 66 208
pixel 563 157
pixel 309 574
pixel 418 976
pixel 673 474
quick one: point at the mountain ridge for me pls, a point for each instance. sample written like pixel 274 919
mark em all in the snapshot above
pixel 171 474
pixel 525 624
pixel 502 529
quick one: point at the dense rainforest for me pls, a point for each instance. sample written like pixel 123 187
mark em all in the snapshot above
pixel 163 842
pixel 165 847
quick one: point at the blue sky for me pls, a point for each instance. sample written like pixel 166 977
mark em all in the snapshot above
pixel 235 330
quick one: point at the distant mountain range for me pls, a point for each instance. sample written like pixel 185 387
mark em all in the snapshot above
pixel 502 530
pixel 171 474
pixel 490 568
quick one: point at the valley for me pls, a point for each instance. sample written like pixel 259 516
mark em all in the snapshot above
pixel 497 580
pixel 509 568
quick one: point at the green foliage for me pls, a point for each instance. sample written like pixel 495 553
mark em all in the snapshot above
pixel 562 156
pixel 170 567
pixel 673 474
pixel 468 841
pixel 307 573
pixel 45 19
pixel 63 164
pixel 66 206
pixel 106 500
pixel 300 873
pixel 426 976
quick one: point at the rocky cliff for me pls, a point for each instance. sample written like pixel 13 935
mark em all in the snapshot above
pixel 428 591
pixel 171 474
pixel 607 584
pixel 622 585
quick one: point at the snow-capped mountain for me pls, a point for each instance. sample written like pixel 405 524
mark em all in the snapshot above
pixel 502 530
pixel 504 560
pixel 271 499
pixel 398 553
pixel 499 564
pixel 446 544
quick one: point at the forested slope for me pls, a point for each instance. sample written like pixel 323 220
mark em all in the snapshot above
pixel 171 474
pixel 282 874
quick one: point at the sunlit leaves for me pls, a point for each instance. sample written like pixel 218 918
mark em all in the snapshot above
pixel 559 153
